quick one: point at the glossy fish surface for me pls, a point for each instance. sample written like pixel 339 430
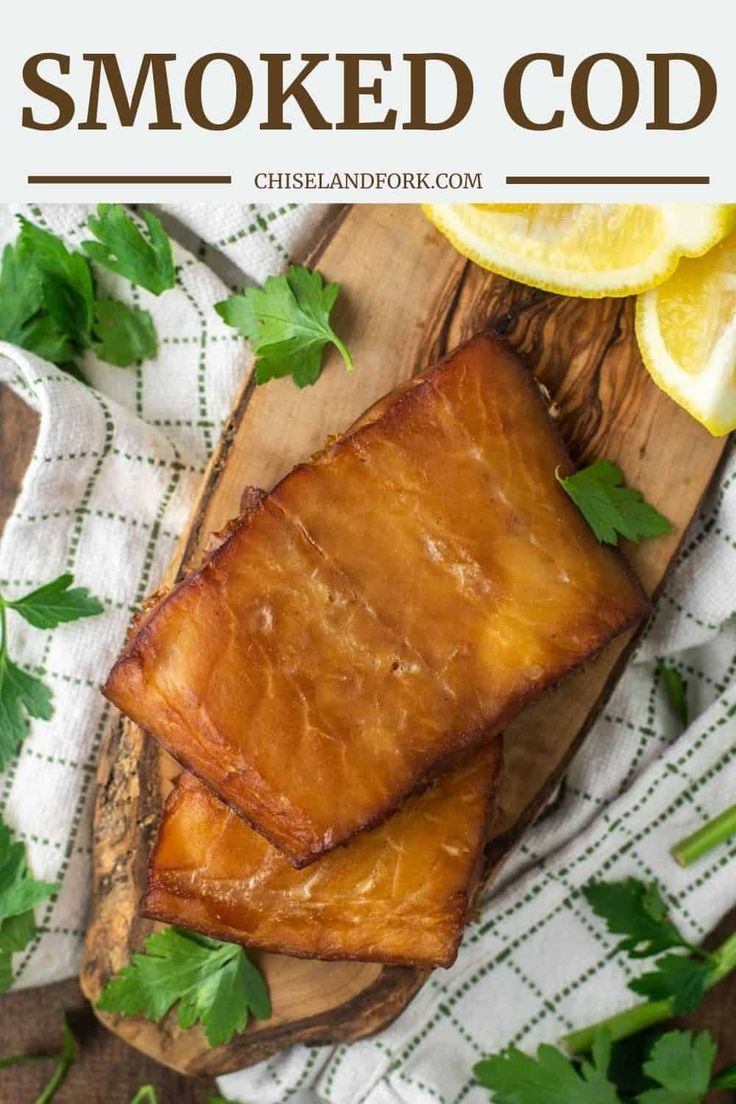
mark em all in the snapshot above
pixel 399 893
pixel 388 605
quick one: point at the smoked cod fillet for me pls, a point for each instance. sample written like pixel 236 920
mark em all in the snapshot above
pixel 399 893
pixel 379 613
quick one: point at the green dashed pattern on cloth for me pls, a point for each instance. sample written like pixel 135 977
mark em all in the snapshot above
pixel 537 963
pixel 107 495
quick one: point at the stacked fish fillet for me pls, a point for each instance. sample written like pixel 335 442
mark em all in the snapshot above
pixel 335 678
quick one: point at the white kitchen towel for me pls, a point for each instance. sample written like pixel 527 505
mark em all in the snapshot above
pixel 106 495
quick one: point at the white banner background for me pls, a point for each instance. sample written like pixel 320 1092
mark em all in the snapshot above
pixel 488 37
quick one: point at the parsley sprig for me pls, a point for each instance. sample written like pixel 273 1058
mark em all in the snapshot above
pixel 212 983
pixel 678 1069
pixel 672 1068
pixel 609 507
pixel 22 694
pixel 48 302
pixel 603 1064
pixel 518 1078
pixel 287 322
pixel 637 911
pixel 682 972
pixel 20 892
pixel 125 250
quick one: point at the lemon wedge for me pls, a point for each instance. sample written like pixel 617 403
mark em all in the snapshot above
pixel 585 249
pixel 686 330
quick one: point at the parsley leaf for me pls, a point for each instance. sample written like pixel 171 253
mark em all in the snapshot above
pixel 610 508
pixel 681 1065
pixel 20 892
pixel 64 278
pixel 637 911
pixel 23 695
pixel 123 248
pixel 676 690
pixel 518 1078
pixel 677 1070
pixel 123 335
pixel 678 978
pixel 287 322
pixel 21 305
pixel 48 305
pixel 725 1078
pixel 55 602
pixel 627 1057
pixel 213 983
pixel 23 317
pixel 20 299
pixel 16 932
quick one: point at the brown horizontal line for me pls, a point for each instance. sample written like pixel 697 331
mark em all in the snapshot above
pixel 608 180
pixel 130 180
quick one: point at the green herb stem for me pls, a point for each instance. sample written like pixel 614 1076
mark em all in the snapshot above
pixel 63 1062
pixel 3 630
pixel 343 350
pixel 711 835
pixel 49 1090
pixel 21 1059
pixel 642 1016
pixel 145 1095
pixel 620 1026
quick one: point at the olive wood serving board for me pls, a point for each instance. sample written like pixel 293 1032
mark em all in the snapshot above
pixel 407 298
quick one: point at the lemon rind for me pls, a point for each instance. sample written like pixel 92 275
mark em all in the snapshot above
pixel 678 384
pixel 671 252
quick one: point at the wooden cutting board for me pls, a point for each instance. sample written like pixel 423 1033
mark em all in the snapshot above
pixel 407 298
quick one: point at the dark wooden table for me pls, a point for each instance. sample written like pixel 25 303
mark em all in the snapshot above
pixel 107 1071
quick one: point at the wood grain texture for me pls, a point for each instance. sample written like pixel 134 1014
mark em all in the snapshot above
pixel 107 1069
pixel 407 298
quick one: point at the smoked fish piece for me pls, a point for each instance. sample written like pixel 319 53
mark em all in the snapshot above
pixel 399 893
pixel 382 610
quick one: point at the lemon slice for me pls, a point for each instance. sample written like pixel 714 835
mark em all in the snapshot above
pixel 584 249
pixel 687 335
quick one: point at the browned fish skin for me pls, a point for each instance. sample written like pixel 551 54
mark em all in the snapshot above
pixel 386 606
pixel 399 893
